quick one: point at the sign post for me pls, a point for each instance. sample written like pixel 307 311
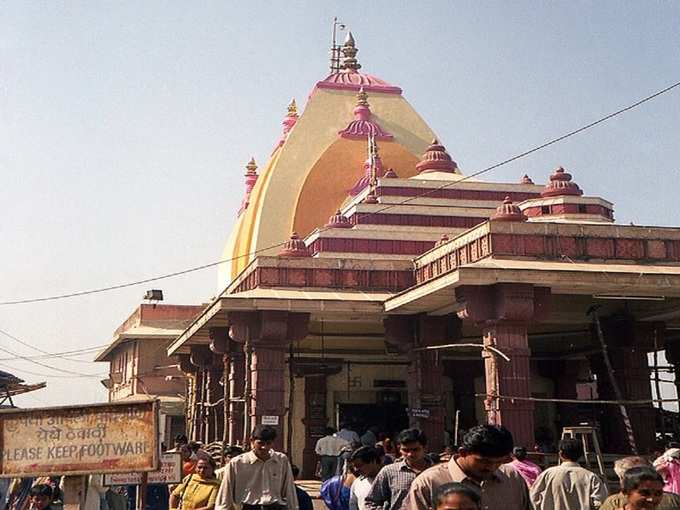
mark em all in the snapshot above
pixel 77 441
pixel 75 488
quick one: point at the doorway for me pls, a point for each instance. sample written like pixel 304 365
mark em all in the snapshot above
pixel 389 418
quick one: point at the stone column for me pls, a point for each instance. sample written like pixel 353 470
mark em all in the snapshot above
pixel 219 345
pixel 628 343
pixel 564 374
pixel 315 421
pixel 237 374
pixel 269 334
pixel 672 352
pixel 189 371
pixel 503 312
pixel 426 404
pixel 201 357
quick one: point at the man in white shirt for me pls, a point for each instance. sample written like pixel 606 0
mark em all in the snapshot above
pixel 365 462
pixel 349 435
pixel 328 449
pixel 568 485
pixel 259 479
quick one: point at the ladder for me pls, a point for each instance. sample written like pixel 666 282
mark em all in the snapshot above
pixel 583 433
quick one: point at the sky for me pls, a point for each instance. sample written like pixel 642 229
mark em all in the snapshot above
pixel 125 128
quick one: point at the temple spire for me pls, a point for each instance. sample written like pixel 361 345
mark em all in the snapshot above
pixel 251 178
pixel 292 108
pixel 349 53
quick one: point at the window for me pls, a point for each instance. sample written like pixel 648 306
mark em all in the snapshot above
pixel 545 209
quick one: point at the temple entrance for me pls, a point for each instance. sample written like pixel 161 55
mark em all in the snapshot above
pixel 389 418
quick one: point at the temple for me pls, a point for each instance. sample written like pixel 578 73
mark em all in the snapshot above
pixel 369 281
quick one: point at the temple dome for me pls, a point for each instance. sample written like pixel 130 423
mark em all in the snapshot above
pixel 307 177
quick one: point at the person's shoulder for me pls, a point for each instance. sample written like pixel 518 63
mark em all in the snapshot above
pixel 278 456
pixel 433 473
pixel 244 458
pixel 390 469
pixel 508 473
pixel 672 499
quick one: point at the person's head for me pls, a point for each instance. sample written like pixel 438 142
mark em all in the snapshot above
pixel 205 466
pixel 643 487
pixel 261 440
pixel 329 431
pixel 41 496
pixel 295 470
pixel 232 451
pixel 366 461
pixel 520 453
pixel 457 496
pixel 483 449
pixel 624 464
pixel 185 452
pixel 194 446
pixel 570 449
pixel 412 443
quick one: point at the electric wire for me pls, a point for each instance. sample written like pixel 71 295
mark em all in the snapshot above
pixel 44 365
pixel 65 355
pixel 516 157
pixel 45 354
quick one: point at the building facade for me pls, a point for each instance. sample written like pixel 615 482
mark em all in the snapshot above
pixel 408 293
pixel 140 368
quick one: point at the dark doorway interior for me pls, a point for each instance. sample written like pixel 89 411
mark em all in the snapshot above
pixel 389 418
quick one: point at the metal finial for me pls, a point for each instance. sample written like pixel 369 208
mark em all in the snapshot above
pixel 292 108
pixel 362 97
pixel 349 53
pixel 251 167
pixel 372 158
pixel 335 48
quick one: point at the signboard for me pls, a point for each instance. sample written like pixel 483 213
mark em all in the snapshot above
pixel 97 438
pixel 419 413
pixel 170 472
pixel 270 420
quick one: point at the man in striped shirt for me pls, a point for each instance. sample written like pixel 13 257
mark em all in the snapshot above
pixel 393 482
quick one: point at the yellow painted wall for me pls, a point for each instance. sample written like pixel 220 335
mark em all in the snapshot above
pixel 338 169
pixel 280 195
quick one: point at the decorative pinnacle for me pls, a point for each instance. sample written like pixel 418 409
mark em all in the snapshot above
pixel 292 108
pixel 362 97
pixel 251 167
pixel 349 53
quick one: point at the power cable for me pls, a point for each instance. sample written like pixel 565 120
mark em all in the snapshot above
pixel 45 365
pixel 65 355
pixel 51 376
pixel 46 354
pixel 255 252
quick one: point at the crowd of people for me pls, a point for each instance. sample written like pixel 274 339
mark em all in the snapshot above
pixel 371 472
pixel 486 471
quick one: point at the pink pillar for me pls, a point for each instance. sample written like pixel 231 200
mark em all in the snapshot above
pixel 509 379
pixel 425 373
pixel 237 374
pixel 268 405
pixel 503 312
pixel 269 334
